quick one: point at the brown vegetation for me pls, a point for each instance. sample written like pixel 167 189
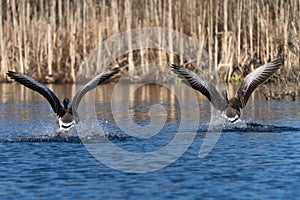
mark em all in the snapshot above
pixel 50 39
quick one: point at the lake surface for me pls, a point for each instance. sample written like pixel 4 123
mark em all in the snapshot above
pixel 259 159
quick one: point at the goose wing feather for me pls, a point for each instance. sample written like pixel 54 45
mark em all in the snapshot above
pixel 38 87
pixel 202 85
pixel 92 84
pixel 254 79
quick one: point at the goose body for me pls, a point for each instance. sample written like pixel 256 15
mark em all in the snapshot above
pixel 65 112
pixel 229 108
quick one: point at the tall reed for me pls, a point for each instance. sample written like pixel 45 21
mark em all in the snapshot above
pixel 50 39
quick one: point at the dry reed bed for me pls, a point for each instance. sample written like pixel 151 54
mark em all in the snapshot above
pixel 52 38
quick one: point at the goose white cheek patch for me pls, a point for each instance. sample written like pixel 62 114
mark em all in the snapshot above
pixel 65 126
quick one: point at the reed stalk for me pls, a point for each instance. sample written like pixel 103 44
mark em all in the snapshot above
pixel 52 38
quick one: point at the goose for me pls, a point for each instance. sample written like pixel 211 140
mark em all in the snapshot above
pixel 65 112
pixel 230 109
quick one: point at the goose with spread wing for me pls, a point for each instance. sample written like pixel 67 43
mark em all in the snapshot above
pixel 65 112
pixel 231 108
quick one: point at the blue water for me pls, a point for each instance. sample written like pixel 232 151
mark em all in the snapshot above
pixel 259 161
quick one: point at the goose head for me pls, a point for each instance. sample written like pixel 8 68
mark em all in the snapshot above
pixel 66 102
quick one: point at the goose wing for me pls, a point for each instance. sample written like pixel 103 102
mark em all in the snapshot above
pixel 92 84
pixel 202 85
pixel 254 79
pixel 38 87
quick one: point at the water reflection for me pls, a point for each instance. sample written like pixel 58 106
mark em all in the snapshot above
pixel 24 100
pixel 267 160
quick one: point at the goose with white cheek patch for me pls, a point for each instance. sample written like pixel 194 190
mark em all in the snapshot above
pixel 65 112
pixel 230 109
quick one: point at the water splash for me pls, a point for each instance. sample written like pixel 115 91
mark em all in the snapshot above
pixel 246 126
pixel 92 134
pixel 49 134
